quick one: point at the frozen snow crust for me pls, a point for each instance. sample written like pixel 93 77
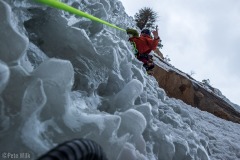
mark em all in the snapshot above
pixel 64 77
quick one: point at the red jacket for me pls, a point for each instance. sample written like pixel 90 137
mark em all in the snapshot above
pixel 144 43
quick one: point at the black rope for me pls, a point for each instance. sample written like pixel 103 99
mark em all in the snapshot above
pixel 77 149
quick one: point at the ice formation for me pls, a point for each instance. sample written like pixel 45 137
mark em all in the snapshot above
pixel 64 77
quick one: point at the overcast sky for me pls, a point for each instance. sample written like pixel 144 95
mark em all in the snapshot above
pixel 202 36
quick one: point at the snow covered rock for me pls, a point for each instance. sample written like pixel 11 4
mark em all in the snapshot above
pixel 180 86
pixel 13 44
pixel 133 89
pixel 4 76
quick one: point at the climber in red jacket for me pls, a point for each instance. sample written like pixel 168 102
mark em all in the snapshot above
pixel 143 45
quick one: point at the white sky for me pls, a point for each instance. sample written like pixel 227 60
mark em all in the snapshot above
pixel 201 36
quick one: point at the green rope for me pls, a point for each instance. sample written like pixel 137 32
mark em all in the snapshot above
pixel 135 50
pixel 65 7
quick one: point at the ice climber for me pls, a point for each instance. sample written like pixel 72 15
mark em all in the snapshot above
pixel 143 45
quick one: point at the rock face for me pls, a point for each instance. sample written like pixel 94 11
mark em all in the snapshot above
pixel 189 91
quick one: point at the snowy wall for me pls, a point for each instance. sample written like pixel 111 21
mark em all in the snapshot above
pixel 65 77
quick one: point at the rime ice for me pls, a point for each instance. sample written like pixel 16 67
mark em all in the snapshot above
pixel 64 77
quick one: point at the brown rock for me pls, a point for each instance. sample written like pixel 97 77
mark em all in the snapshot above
pixel 185 88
